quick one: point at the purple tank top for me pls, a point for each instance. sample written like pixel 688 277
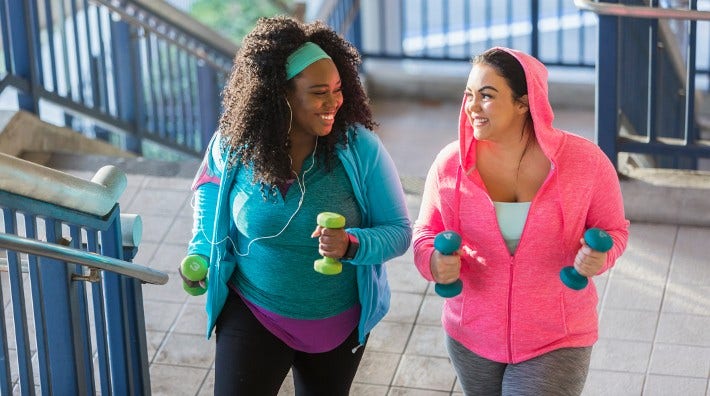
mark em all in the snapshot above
pixel 311 336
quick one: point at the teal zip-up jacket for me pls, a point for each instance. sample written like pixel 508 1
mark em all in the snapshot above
pixel 386 229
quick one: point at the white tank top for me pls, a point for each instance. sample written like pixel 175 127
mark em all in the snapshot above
pixel 511 220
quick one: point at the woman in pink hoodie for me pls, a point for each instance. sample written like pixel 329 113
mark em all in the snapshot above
pixel 521 194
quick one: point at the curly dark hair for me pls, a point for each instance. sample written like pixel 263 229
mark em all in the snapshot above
pixel 256 117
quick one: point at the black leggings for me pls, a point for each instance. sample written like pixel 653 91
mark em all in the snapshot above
pixel 252 361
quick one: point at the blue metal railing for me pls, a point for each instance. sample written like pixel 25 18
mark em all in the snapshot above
pixel 656 67
pixel 86 338
pixel 557 32
pixel 133 72
pixel 646 81
pixel 452 30
pixel 136 74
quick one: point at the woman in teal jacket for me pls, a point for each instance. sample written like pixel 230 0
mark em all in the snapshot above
pixel 295 140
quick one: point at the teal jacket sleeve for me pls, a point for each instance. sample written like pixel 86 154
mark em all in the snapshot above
pixel 388 232
pixel 206 188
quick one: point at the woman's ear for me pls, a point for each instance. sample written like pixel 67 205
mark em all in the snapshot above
pixel 523 105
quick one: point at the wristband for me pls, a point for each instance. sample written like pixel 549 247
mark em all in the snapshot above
pixel 353 246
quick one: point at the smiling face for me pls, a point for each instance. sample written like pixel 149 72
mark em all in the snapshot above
pixel 315 97
pixel 491 107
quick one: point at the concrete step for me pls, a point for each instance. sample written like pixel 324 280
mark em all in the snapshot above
pixel 131 165
pixel 667 196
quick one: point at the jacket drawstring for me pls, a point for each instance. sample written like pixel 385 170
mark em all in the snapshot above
pixel 359 345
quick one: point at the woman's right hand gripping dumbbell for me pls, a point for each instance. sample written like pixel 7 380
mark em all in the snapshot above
pixel 193 271
pixel 445 264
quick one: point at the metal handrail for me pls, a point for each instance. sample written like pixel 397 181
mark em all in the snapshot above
pixel 96 197
pixel 133 12
pixel 88 259
pixel 641 12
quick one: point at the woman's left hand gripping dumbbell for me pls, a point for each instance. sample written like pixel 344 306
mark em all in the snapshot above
pixel 589 260
pixel 333 242
pixel 193 271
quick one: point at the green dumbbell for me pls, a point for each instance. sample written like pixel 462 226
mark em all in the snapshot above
pixel 329 265
pixel 194 270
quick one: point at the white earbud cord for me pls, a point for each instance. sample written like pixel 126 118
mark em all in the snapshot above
pixel 301 186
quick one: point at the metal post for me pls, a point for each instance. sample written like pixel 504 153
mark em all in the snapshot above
pixel 23 32
pixel 209 102
pixel 22 338
pixel 115 311
pixel 56 321
pixel 123 57
pixel 5 375
pixel 691 128
pixel 606 96
pixel 535 33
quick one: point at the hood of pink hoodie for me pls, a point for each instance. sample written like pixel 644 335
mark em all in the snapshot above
pixel 540 110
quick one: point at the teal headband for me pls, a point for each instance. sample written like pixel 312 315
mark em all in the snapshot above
pixel 303 57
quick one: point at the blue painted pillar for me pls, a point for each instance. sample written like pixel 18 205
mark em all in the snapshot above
pixel 24 49
pixel 607 83
pixel 126 67
pixel 357 31
pixel 64 358
pixel 209 102
pixel 115 310
pixel 535 33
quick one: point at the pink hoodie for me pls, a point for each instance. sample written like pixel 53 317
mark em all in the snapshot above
pixel 514 308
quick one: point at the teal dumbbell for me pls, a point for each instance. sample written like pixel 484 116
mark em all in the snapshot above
pixel 448 242
pixel 329 265
pixel 598 240
pixel 194 270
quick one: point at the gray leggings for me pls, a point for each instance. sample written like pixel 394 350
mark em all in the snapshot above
pixel 560 372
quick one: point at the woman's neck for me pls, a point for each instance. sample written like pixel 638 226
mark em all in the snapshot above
pixel 509 151
pixel 302 146
pixel 512 171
